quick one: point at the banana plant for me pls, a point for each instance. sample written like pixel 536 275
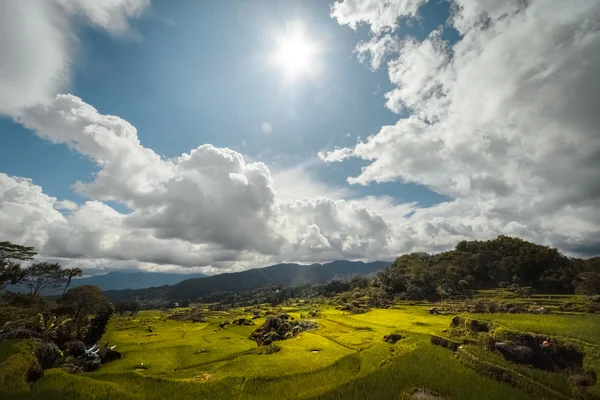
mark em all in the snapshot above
pixel 48 328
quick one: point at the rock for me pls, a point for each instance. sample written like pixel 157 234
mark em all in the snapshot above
pixel 34 373
pixel 91 365
pixel 76 348
pixel 541 310
pixel 433 310
pixel 392 338
pixel 109 355
pixel 223 324
pixel 514 352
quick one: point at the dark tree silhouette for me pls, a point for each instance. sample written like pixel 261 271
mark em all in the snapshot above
pixel 70 273
pixel 43 276
pixel 10 268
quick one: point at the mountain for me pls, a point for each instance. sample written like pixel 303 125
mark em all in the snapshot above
pixel 133 280
pixel 279 274
pixel 117 280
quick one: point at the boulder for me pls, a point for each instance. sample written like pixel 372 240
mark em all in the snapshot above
pixel 75 348
pixel 109 355
pixel 91 365
pixel 392 338
pixel 34 373
pixel 515 352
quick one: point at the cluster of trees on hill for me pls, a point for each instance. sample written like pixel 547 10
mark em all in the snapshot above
pixel 56 326
pixel 501 262
pixel 38 277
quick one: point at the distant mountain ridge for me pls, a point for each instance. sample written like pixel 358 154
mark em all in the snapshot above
pixel 288 274
pixel 118 280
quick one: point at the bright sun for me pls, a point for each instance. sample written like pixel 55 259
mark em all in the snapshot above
pixel 295 55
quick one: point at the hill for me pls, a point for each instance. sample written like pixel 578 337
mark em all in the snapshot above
pixel 279 274
pixel 117 280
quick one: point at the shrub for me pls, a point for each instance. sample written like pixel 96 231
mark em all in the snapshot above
pixel 47 354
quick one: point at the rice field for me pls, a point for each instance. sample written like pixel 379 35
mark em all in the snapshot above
pixel 344 358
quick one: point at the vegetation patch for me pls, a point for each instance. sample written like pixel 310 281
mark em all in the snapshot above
pixel 280 327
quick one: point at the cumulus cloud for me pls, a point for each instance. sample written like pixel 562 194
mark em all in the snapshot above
pixel 66 205
pixel 505 127
pixel 209 207
pixel 37 42
pixel 503 120
pixel 379 15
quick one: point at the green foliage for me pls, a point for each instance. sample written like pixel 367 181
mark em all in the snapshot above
pixel 98 325
pixel 588 283
pixel 505 261
pixel 48 328
pixel 82 301
pixel 17 362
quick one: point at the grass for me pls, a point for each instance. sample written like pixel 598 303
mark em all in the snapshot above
pixel 16 358
pixel 577 326
pixel 344 358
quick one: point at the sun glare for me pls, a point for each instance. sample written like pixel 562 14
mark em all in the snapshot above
pixel 295 55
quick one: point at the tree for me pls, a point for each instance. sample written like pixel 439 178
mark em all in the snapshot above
pixel 98 325
pixel 42 276
pixel 82 301
pixel 70 273
pixel 588 283
pixel 10 269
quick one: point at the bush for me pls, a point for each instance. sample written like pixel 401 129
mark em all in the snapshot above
pixel 98 325
pixel 47 354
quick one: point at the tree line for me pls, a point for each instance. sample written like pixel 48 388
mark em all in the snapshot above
pixel 501 262
pixel 38 277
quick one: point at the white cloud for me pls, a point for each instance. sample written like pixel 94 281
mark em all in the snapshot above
pixel 37 44
pixel 206 208
pixel 266 127
pixel 380 15
pixel 504 126
pixel 336 155
pixel 66 205
pixel 504 120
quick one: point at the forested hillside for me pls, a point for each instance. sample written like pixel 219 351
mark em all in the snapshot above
pixel 501 262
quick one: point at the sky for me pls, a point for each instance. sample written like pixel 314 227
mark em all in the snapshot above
pixel 219 136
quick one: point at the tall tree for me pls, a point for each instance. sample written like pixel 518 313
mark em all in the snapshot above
pixel 43 276
pixel 10 268
pixel 82 301
pixel 70 273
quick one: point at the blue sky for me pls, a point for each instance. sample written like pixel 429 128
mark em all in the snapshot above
pixel 195 72
pixel 160 135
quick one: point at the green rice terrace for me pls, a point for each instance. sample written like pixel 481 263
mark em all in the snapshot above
pixel 402 352
pixel 500 319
